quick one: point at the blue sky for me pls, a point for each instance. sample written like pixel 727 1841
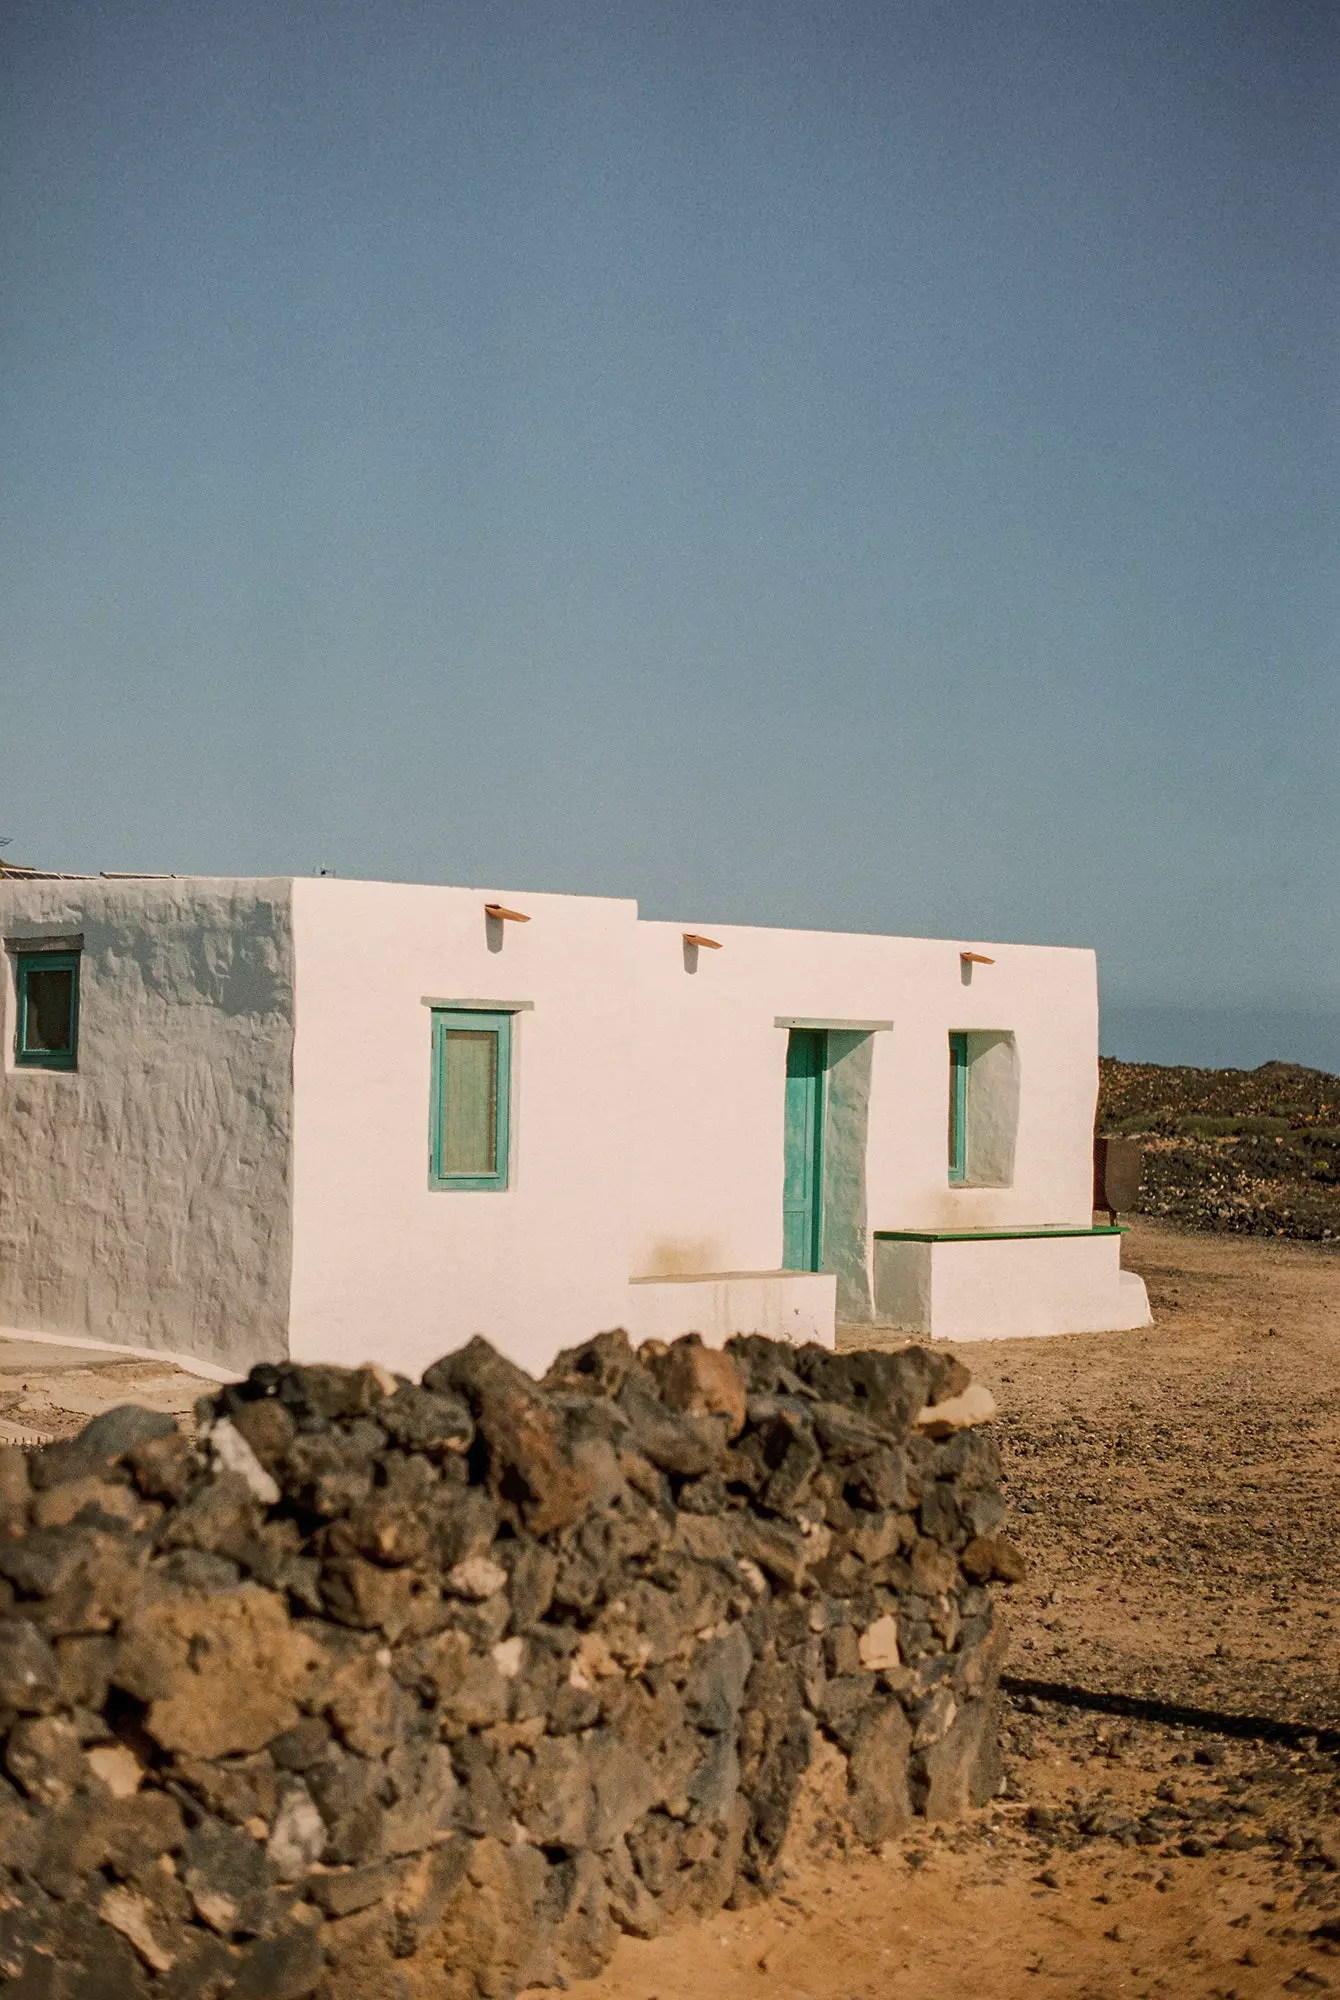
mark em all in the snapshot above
pixel 854 464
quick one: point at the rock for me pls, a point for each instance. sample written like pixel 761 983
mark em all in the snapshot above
pixel 879 1803
pixel 163 1466
pixel 562 1659
pixel 478 1577
pixel 45 1756
pixel 116 1767
pixel 715 1688
pixel 298 1837
pixel 530 1587
pixel 29 1676
pixel 284 1967
pixel 348 1890
pixel 934 1570
pixel 393 1601
pixel 962 1767
pixel 703 1381
pixel 228 1876
pixel 988 1556
pixel 297 1749
pixel 417 1419
pixel 678 1444
pixel 137 1920
pixel 108 1438
pixel 234 1671
pixel 878 1644
pixel 599 1367
pixel 522 1437
pixel 424 1786
pixel 232 1453
pixel 972 1405
pixel 44 1561
pixel 267 1426
pixel 785 1553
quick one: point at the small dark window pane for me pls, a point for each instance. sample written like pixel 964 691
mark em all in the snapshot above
pixel 49 1015
pixel 470 1101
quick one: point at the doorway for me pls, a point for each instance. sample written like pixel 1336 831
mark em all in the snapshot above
pixel 828 1080
pixel 803 1178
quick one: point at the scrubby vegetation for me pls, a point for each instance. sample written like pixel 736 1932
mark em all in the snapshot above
pixel 1255 1151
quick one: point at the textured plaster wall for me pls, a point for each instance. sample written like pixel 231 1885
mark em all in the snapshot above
pixel 846 1136
pixel 144 1197
pixel 709 1080
pixel 993 1109
pixel 386 1268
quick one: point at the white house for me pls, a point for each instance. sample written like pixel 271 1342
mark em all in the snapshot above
pixel 359 1120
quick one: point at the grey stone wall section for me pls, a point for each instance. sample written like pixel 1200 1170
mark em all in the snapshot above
pixel 146 1197
pixel 376 1688
pixel 846 1129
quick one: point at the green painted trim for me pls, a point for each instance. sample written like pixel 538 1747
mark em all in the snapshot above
pixel 26 963
pixel 991 1235
pixel 958 1108
pixel 499 1024
pixel 803 1150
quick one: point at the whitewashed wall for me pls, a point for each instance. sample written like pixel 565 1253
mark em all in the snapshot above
pixel 709 1084
pixel 384 1266
pixel 144 1197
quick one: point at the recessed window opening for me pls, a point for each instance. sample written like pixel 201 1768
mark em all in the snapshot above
pixel 47 991
pixel 958 1107
pixel 470 1123
pixel 983 1107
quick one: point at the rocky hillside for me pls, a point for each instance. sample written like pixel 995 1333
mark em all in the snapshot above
pixel 1255 1151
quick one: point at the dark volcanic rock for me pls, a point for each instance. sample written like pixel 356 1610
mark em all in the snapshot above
pixel 387 1688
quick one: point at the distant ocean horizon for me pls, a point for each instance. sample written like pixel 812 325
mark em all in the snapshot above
pixel 1220 1037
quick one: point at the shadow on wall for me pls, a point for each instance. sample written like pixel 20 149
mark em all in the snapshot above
pixel 846 1132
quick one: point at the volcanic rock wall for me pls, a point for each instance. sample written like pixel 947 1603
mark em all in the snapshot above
pixel 378 1688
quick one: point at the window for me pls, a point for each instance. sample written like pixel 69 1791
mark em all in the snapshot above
pixel 958 1107
pixel 471 1105
pixel 47 988
pixel 983 1108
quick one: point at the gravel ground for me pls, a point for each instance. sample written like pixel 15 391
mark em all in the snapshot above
pixel 1177 1490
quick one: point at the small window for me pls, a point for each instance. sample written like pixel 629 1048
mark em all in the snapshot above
pixel 471 1109
pixel 958 1107
pixel 47 987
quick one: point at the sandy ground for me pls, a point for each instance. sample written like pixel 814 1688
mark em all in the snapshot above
pixel 1177 1492
pixel 1178 1496
pixel 48 1391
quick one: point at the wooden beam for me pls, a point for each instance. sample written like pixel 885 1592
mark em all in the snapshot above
pixel 708 944
pixel 504 916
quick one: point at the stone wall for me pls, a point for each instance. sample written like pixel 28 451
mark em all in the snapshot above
pixel 389 1689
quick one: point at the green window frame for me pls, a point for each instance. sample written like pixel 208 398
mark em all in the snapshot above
pixel 958 1109
pixel 469 1137
pixel 46 1034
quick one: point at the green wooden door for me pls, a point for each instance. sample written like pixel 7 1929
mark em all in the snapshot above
pixel 802 1186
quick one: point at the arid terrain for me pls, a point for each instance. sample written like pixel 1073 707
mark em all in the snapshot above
pixel 1249 1151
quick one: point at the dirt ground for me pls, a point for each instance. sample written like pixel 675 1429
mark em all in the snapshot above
pixel 1178 1494
pixel 50 1391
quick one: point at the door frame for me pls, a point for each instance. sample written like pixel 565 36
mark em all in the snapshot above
pixel 803 1148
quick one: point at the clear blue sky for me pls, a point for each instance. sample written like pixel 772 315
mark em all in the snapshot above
pixel 856 464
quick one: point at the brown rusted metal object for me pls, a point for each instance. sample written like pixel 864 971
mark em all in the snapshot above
pixel 1117 1165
